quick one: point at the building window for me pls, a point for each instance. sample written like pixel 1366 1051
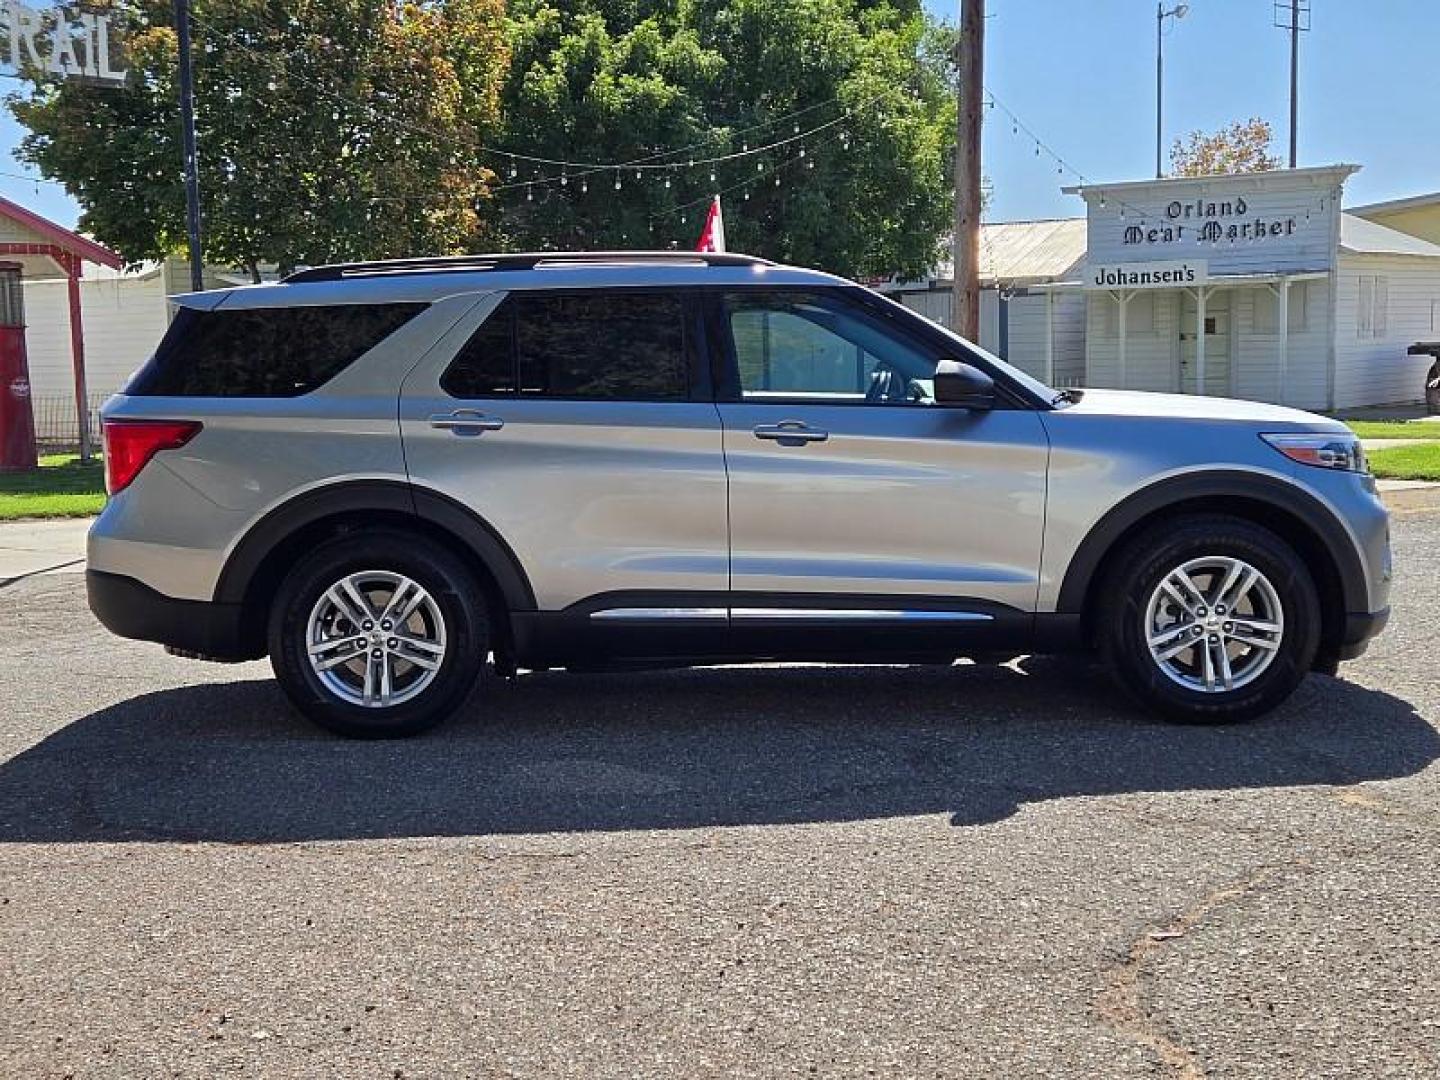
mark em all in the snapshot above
pixel 1139 314
pixel 1372 306
pixel 1267 308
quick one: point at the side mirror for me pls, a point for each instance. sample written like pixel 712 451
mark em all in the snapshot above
pixel 961 386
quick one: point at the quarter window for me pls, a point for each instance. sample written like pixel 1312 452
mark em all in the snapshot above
pixel 600 345
pixel 815 347
pixel 264 352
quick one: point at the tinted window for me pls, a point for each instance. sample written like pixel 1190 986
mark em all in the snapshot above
pixel 606 345
pixel 800 345
pixel 485 366
pixel 264 352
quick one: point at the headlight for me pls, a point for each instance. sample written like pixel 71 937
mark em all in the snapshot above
pixel 1323 450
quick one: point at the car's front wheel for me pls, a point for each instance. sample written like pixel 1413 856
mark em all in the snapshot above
pixel 378 634
pixel 1210 619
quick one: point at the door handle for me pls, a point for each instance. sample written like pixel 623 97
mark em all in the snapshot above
pixel 790 433
pixel 466 422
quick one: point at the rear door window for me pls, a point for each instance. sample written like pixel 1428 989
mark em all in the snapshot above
pixel 264 352
pixel 610 345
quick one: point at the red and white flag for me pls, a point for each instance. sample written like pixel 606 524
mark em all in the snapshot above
pixel 712 237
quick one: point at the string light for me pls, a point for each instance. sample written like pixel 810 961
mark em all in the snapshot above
pixel 648 162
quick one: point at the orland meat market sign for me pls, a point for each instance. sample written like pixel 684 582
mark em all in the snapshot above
pixel 1284 221
pixel 1208 221
pixel 68 42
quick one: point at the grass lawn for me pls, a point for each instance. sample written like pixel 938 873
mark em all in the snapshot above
pixel 60 488
pixel 1418 462
pixel 1395 429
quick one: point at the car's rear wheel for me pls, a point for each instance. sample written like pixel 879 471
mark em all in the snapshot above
pixel 378 634
pixel 1210 619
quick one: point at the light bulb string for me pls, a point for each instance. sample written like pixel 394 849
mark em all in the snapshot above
pixel 646 162
pixel 765 175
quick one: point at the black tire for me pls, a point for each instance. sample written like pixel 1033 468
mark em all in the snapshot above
pixel 1137 573
pixel 1432 390
pixel 450 584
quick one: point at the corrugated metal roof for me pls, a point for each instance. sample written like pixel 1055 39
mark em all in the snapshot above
pixel 1026 252
pixel 1390 206
pixel 1359 236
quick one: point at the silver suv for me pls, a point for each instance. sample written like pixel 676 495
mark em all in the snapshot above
pixel 385 475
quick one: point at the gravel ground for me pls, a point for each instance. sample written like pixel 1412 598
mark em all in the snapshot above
pixel 743 872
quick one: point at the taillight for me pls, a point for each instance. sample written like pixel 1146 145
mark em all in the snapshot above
pixel 130 444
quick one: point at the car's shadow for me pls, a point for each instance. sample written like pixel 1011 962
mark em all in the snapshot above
pixel 230 762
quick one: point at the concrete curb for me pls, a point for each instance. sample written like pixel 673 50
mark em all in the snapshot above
pixel 1409 495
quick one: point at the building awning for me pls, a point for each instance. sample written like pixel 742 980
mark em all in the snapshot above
pixel 1214 281
pixel 42 248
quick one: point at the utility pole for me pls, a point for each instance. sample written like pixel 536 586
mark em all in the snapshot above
pixel 965 304
pixel 187 135
pixel 1294 16
pixel 1294 74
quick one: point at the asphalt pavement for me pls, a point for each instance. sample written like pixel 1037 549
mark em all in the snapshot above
pixel 740 872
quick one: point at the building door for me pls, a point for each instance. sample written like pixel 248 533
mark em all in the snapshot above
pixel 1217 344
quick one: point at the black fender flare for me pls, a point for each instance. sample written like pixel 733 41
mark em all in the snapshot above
pixel 1254 487
pixel 394 496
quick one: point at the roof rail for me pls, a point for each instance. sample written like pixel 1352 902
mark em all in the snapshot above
pixel 469 264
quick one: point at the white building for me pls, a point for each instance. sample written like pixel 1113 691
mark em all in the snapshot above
pixel 125 314
pixel 1256 286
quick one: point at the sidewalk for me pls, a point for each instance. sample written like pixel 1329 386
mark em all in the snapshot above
pixel 38 547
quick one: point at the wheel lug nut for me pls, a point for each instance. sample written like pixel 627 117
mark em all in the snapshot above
pixel 1214 639
pixel 392 644
pixel 1219 609
pixel 1200 612
pixel 367 626
pixel 385 625
pixel 1229 626
pixel 377 654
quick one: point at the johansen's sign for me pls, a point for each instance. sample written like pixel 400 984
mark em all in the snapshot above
pixel 1147 275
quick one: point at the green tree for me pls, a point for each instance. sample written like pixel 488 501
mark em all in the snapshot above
pixel 328 129
pixel 671 82
pixel 1239 148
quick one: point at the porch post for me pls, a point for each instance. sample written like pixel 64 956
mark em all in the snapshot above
pixel 1050 337
pixel 73 268
pixel 1123 299
pixel 1282 317
pixel 1200 339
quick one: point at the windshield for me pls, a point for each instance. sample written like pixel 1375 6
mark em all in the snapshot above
pixel 1029 383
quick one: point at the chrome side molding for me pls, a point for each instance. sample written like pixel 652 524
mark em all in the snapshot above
pixel 857 615
pixel 659 614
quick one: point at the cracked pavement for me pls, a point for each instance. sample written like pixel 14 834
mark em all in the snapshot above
pixel 743 872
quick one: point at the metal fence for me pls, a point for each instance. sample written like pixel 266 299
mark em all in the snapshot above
pixel 56 427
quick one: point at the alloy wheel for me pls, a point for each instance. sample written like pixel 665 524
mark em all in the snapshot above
pixel 1214 624
pixel 375 639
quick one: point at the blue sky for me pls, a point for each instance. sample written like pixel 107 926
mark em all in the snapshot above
pixel 1081 74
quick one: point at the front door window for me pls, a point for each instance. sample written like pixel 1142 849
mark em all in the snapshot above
pixel 808 347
